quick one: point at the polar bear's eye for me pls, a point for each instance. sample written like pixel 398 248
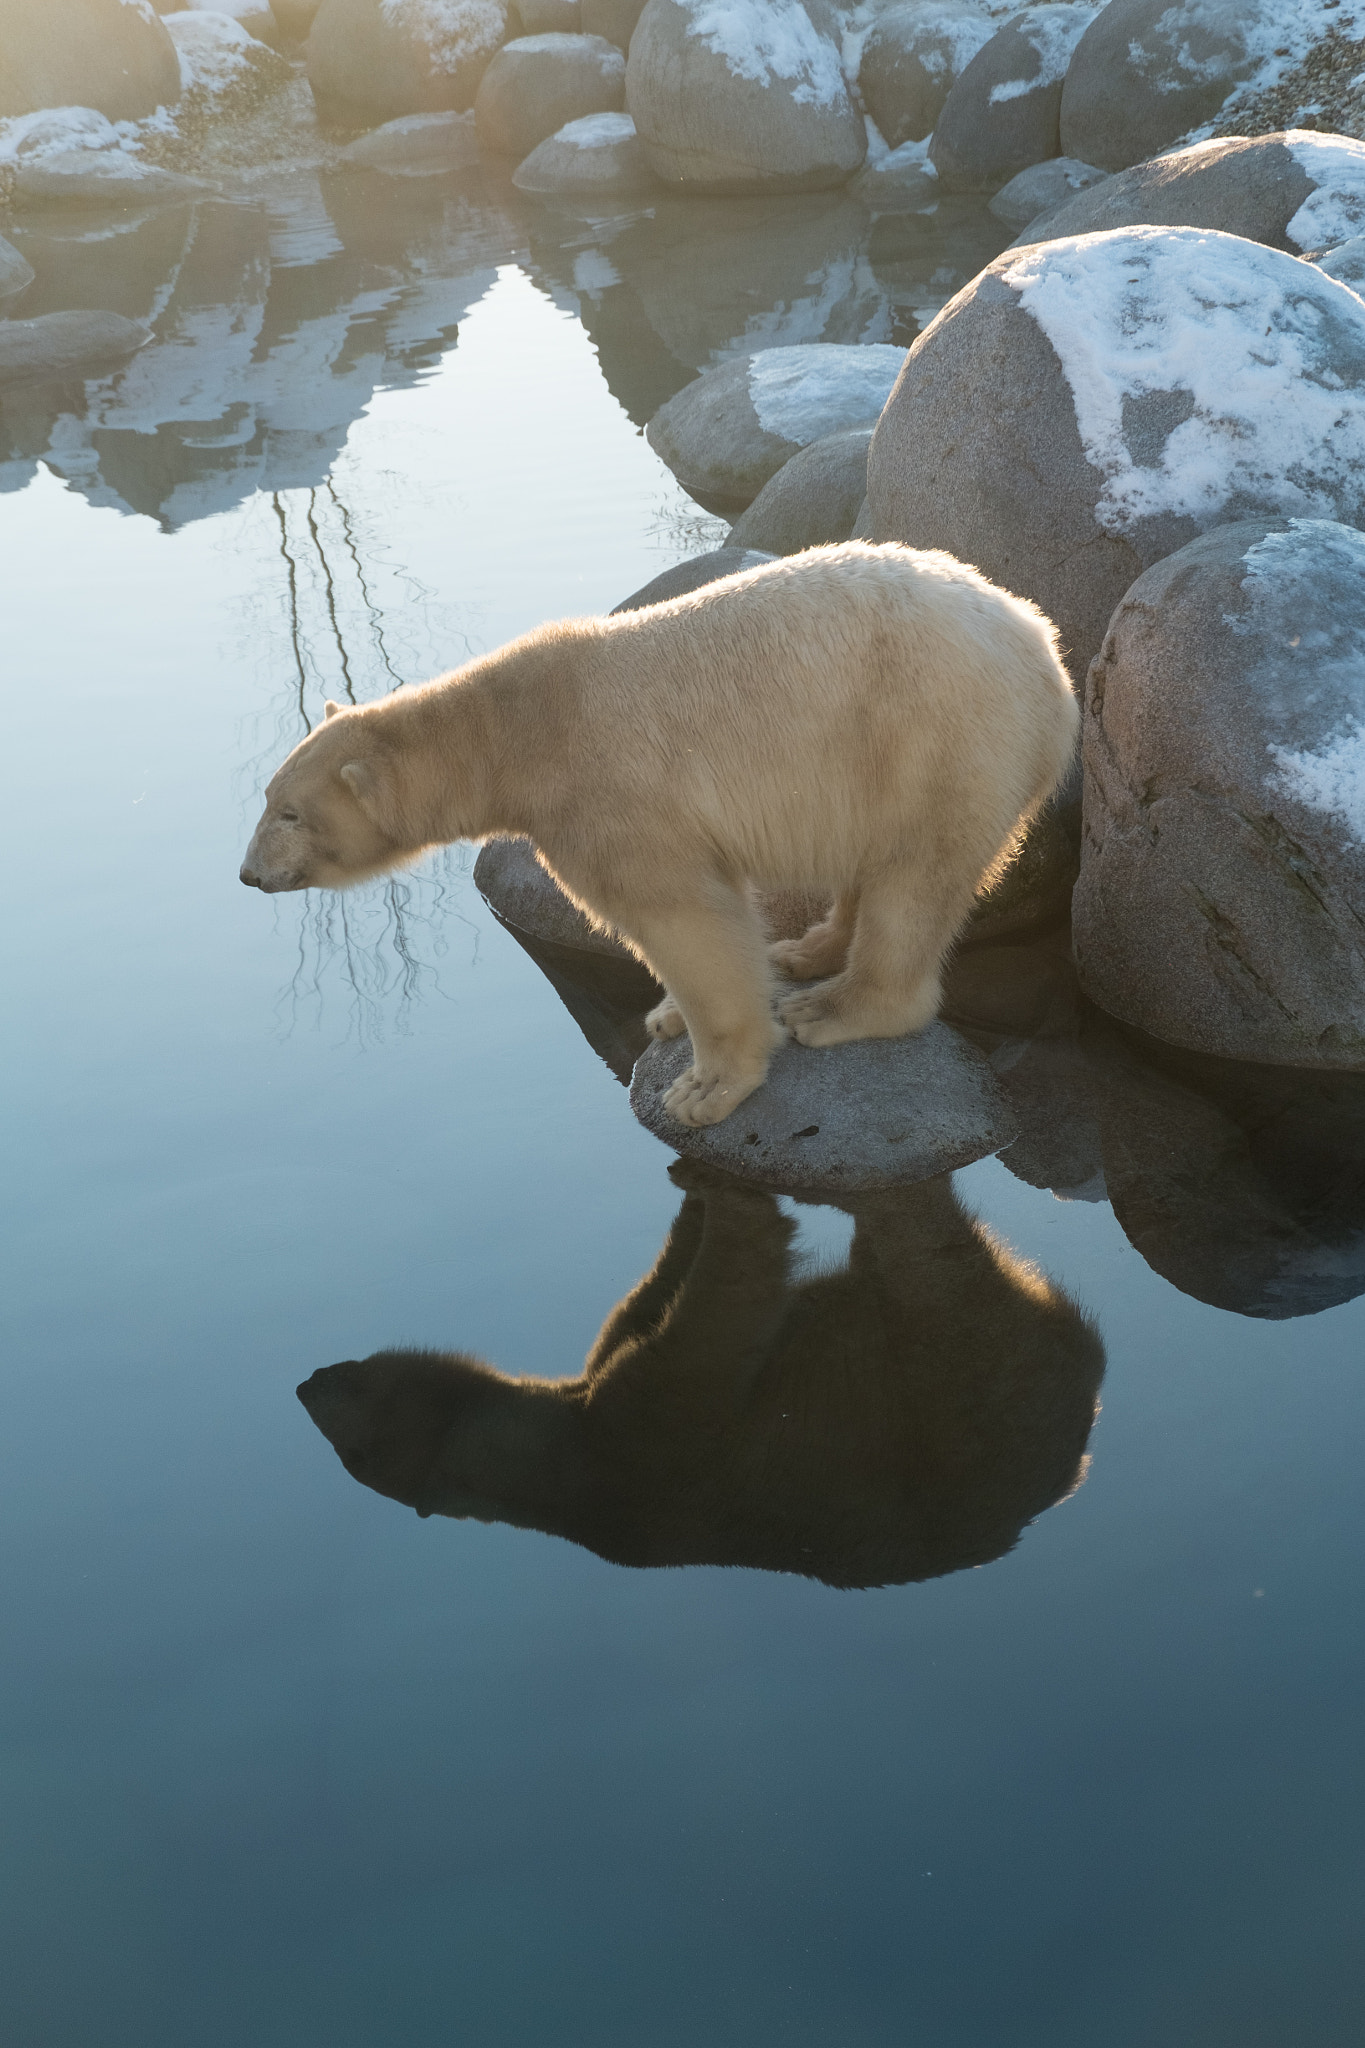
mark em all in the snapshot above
pixel 289 817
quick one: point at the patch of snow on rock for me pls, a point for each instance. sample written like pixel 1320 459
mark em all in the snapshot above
pixel 597 131
pixel 1054 32
pixel 1164 314
pixel 1336 211
pixel 765 39
pixel 451 30
pixel 799 392
pixel 555 43
pixel 53 131
pixel 214 50
pixel 1276 36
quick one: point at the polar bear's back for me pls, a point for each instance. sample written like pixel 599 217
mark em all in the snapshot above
pixel 835 700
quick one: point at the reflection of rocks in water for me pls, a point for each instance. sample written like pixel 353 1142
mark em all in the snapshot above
pixel 683 283
pixel 1242 1185
pixel 898 1420
pixel 920 260
pixel 276 322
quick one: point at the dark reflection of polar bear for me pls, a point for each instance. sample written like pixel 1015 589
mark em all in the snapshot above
pixel 894 1421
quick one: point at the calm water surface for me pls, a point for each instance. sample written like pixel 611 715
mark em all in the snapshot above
pixel 283 1763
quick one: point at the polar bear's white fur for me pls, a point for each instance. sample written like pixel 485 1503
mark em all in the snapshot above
pixel 873 725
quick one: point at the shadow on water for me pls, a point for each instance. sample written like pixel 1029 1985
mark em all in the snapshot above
pixel 894 1421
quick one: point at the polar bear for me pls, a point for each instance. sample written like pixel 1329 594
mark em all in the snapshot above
pixel 872 725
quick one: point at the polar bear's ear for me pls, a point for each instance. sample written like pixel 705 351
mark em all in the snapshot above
pixel 368 785
pixel 329 709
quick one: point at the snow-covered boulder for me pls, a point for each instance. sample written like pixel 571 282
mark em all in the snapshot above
pixel 537 84
pixel 912 55
pixel 1043 187
pixel 1346 264
pixel 726 434
pixel 614 19
pixel 1149 72
pixel 900 181
pixel 114 55
pixel 16 272
pixel 813 500
pixel 417 146
pixel 597 157
pixel 882 1112
pixel 1003 112
pixel 226 70
pixel 1144 385
pixel 1297 190
pixel 372 60
pixel 255 16
pixel 65 344
pixel 1221 901
pixel 741 96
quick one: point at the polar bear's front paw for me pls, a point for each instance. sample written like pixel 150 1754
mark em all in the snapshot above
pixel 704 1096
pixel 665 1020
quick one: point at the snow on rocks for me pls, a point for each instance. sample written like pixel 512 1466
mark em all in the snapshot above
pixel 225 69
pixel 1221 901
pixel 1150 73
pixel 878 1113
pixel 740 96
pixel 104 177
pixel 16 272
pixel 912 57
pixel 113 55
pixel 1003 112
pixel 726 434
pixel 1296 191
pixel 417 146
pixel 1346 264
pixel 599 156
pixel 372 60
pixel 813 500
pixel 65 344
pixel 1146 384
pixel 1042 187
pixel 537 84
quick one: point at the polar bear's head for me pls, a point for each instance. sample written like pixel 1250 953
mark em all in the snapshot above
pixel 331 816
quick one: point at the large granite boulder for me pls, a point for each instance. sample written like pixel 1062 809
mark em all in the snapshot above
pixel 743 97
pixel 372 60
pixel 912 56
pixel 881 1112
pixel 813 500
pixel 726 434
pixel 228 71
pixel 1003 113
pixel 1221 901
pixel 417 146
pixel 114 55
pixel 1242 1185
pixel 295 17
pixel 1295 190
pixel 1043 188
pixel 537 84
pixel 1144 385
pixel 614 19
pixel 16 272
pixel 1147 72
pixel 598 157
pixel 65 345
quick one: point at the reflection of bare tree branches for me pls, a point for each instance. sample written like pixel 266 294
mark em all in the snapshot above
pixel 292 585
pixel 682 529
pixel 329 583
pixel 375 616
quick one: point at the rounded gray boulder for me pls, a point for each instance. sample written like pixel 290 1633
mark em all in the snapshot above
pixel 911 59
pixel 99 177
pixel 417 146
pixel 813 500
pixel 745 97
pixel 1145 386
pixel 614 19
pixel 114 55
pixel 1296 190
pixel 65 345
pixel 374 60
pixel 1221 900
pixel 537 84
pixel 550 17
pixel 726 434
pixel 596 157
pixel 1043 188
pixel 1003 113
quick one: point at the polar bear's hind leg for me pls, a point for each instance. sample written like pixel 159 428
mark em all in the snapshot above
pixel 823 949
pixel 892 981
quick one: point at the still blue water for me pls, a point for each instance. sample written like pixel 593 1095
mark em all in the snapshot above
pixel 284 1764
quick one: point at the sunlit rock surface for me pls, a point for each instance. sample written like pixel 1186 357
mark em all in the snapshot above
pixel 113 55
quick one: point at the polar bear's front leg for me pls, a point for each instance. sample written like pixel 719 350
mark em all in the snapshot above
pixel 712 960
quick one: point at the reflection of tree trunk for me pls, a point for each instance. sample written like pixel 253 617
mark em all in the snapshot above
pixel 293 585
pixel 372 610
pixel 330 596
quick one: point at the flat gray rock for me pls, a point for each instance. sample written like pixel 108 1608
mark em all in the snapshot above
pixel 599 156
pixel 745 97
pixel 417 146
pixel 1003 112
pixel 814 499
pixel 692 575
pixel 65 344
pixel 1042 187
pixel 727 433
pixel 510 878
pixel 875 1114
pixel 1296 190
pixel 1221 900
pixel 16 272
pixel 537 84
pixel 105 177
pixel 1145 386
